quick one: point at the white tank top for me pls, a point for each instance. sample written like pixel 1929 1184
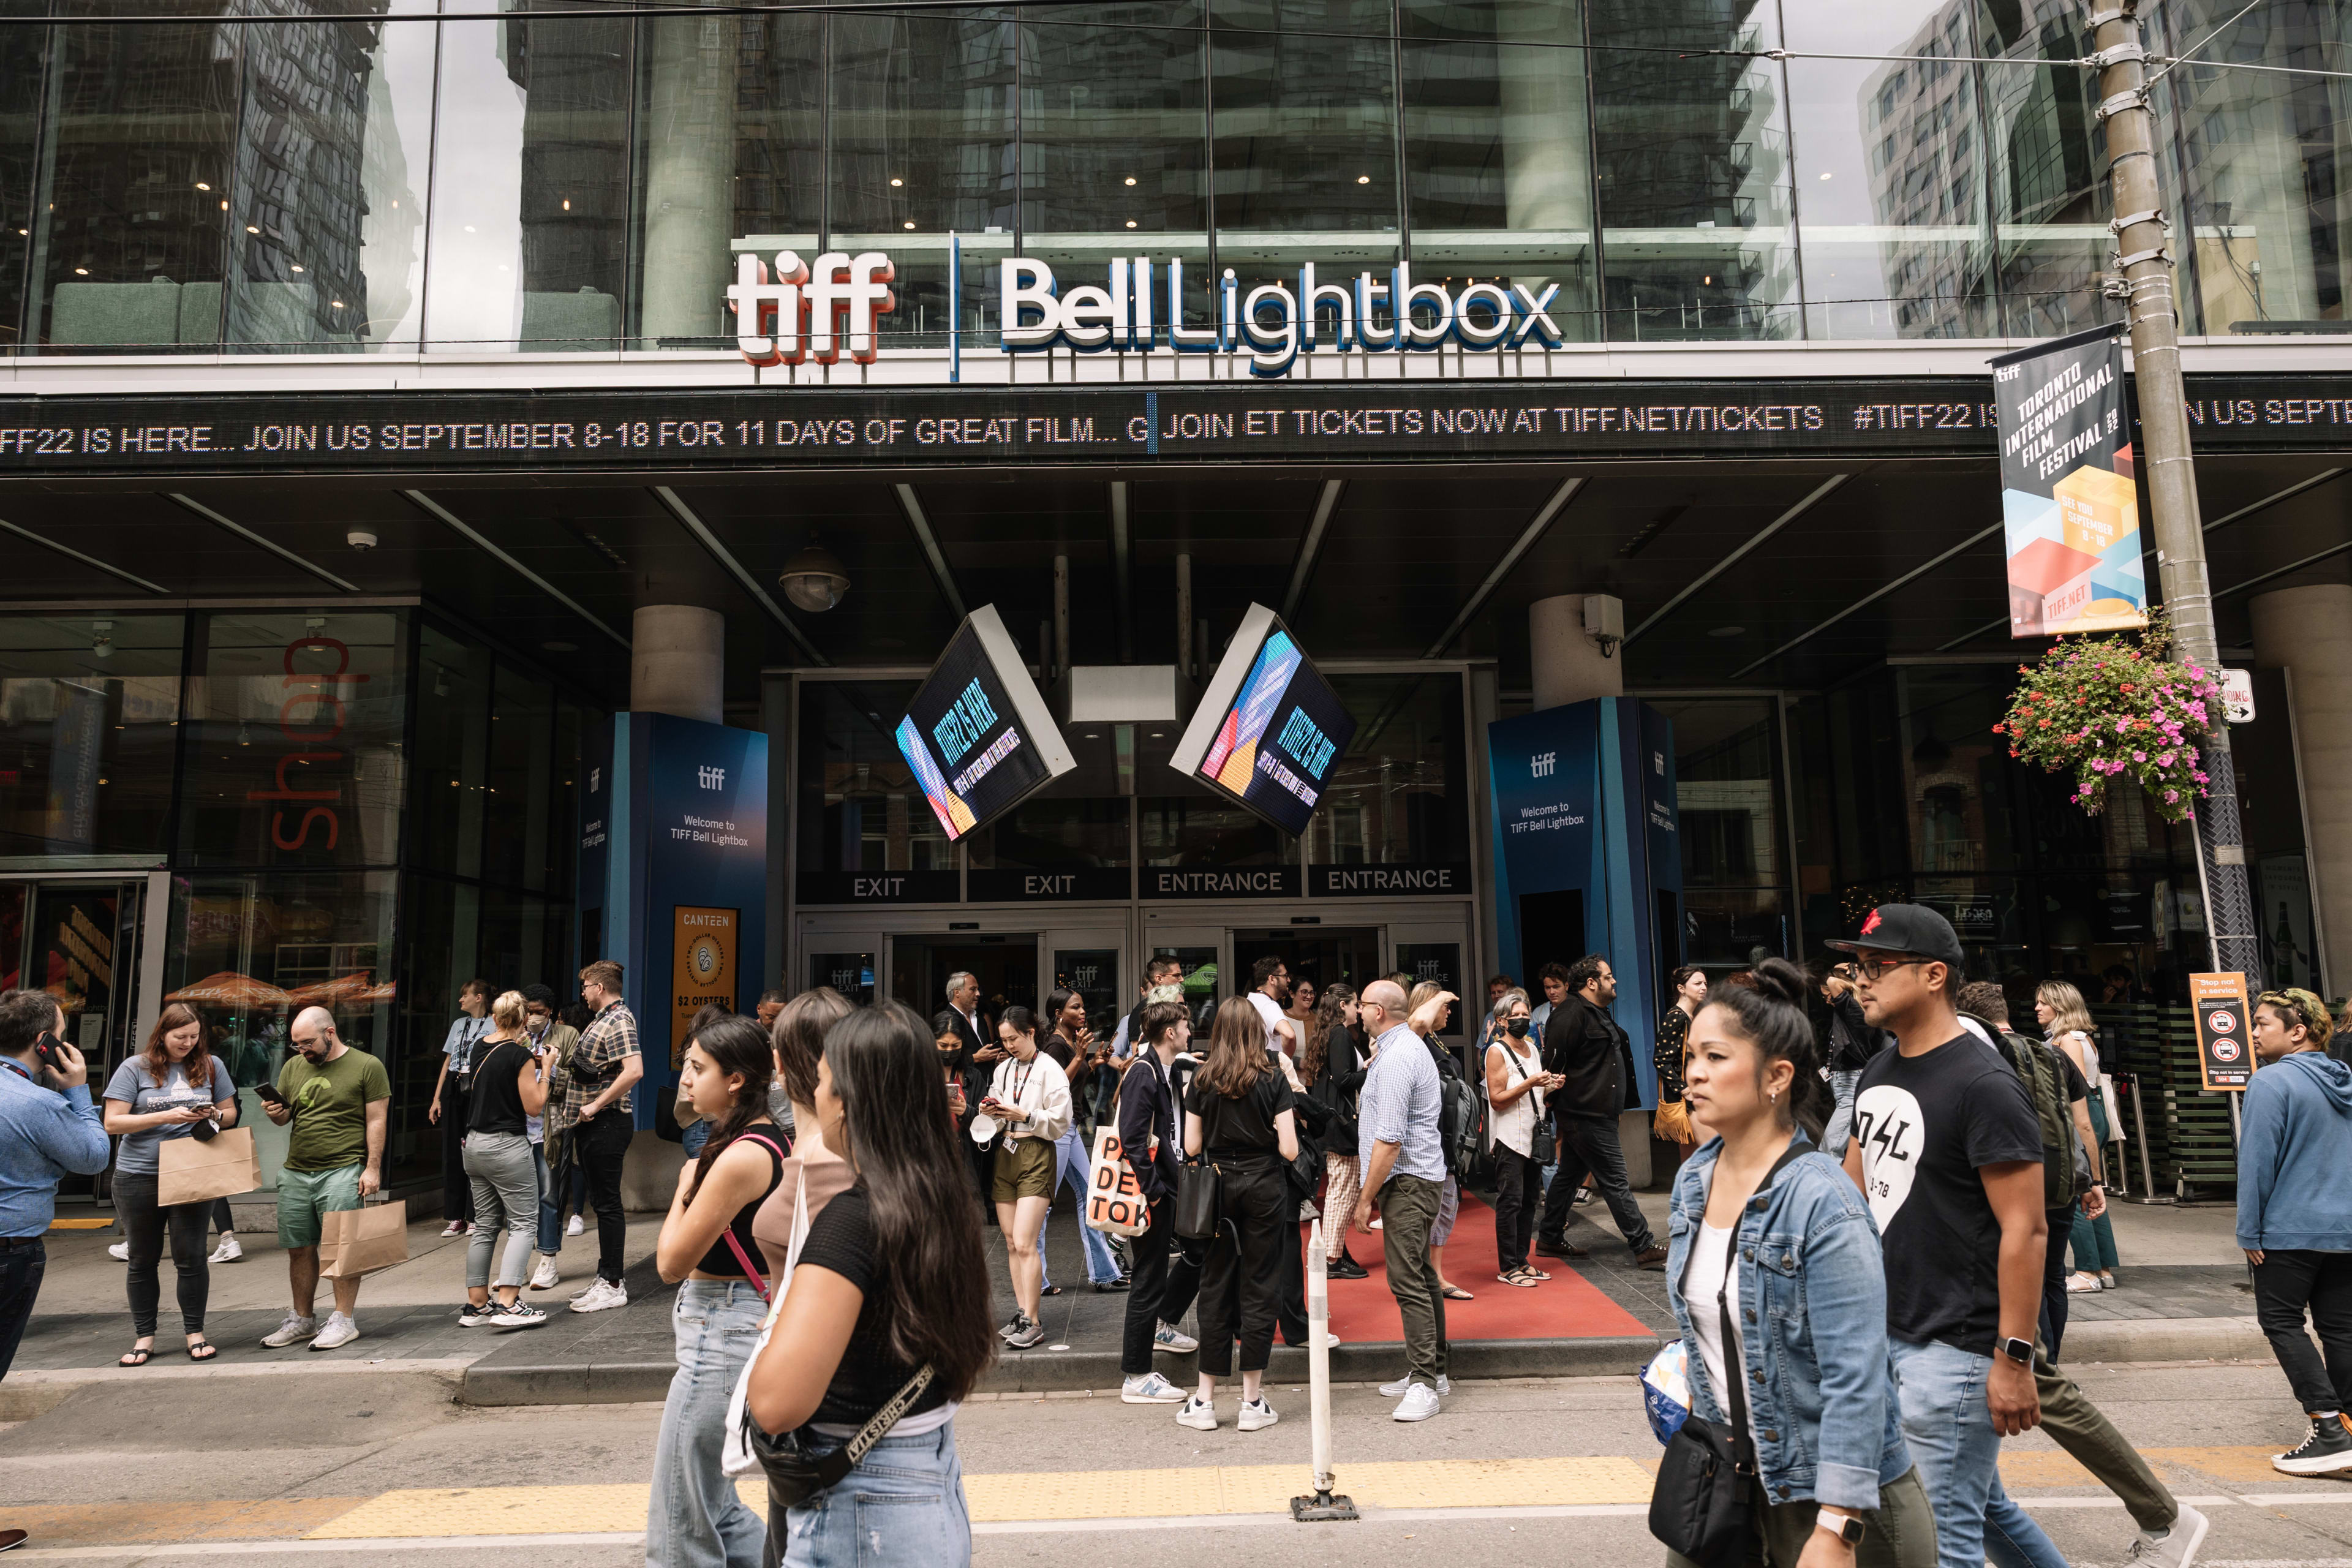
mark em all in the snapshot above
pixel 1514 1124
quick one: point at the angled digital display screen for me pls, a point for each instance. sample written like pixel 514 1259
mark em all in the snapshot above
pixel 977 733
pixel 1269 727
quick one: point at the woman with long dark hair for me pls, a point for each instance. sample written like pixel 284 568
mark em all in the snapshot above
pixel 1083 1057
pixel 887 1306
pixel 1239 1114
pixel 1671 1120
pixel 694 1519
pixel 1330 1064
pixel 798 1036
pixel 162 1093
pixel 1799 1325
pixel 1026 1109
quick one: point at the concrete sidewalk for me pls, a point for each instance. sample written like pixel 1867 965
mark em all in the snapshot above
pixel 2183 1297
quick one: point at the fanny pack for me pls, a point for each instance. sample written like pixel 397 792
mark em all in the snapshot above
pixel 803 1462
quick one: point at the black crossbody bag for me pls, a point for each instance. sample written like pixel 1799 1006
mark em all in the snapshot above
pixel 1706 1481
pixel 802 1462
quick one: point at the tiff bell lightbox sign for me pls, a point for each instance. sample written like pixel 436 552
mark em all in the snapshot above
pixel 1268 728
pixel 797 310
pixel 978 733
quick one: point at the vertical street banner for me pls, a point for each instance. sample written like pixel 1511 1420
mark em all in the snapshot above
pixel 2067 498
pixel 2225 1031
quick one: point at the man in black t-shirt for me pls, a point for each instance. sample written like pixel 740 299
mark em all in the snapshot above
pixel 1947 1152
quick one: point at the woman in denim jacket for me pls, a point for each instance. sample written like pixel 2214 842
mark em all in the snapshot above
pixel 1808 1301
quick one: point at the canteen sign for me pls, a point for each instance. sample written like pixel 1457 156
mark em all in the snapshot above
pixel 2067 500
pixel 2225 1042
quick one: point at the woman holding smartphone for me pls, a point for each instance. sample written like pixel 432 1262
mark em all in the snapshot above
pixel 1028 1106
pixel 887 1306
pixel 163 1093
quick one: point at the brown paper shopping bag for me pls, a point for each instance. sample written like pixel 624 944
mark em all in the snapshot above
pixel 188 1172
pixel 352 1242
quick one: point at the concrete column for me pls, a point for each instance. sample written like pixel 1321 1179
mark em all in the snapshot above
pixel 679 662
pixel 689 177
pixel 2308 631
pixel 1546 172
pixel 1568 664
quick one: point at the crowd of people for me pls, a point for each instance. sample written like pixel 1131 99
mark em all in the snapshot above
pixel 1866 1249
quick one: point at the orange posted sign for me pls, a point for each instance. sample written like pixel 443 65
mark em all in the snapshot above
pixel 2225 1042
pixel 702 963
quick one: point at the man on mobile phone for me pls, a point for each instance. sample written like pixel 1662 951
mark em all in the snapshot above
pixel 49 1130
pixel 338 1101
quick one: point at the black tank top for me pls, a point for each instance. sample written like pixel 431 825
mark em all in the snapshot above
pixel 720 1259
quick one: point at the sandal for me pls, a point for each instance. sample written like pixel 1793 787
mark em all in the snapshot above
pixel 137 1357
pixel 1455 1293
pixel 1051 1290
pixel 1517 1276
pixel 202 1350
pixel 1532 1272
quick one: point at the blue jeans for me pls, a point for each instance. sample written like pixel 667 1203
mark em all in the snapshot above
pixel 694 1519
pixel 1070 1161
pixel 550 1206
pixel 904 1504
pixel 693 1139
pixel 1843 1086
pixel 1949 1430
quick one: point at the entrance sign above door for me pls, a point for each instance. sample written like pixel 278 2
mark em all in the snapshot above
pixel 1268 728
pixel 978 733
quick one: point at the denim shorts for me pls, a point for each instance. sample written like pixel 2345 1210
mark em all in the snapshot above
pixel 305 1198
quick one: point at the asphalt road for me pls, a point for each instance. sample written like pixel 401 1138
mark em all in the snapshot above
pixel 167 1472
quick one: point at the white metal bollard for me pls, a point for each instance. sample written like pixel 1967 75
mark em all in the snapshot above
pixel 1322 1506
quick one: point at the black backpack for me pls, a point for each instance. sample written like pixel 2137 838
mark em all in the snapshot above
pixel 2065 1171
pixel 1461 1126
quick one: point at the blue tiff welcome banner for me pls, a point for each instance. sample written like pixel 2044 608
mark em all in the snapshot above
pixel 673 875
pixel 1588 852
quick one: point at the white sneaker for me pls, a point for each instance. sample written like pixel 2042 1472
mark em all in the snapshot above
pixel 575 1227
pixel 119 1252
pixel 1375 1225
pixel 292 1331
pixel 1419 1403
pixel 1198 1414
pixel 1174 1341
pixel 544 1276
pixel 602 1296
pixel 1258 1414
pixel 340 1331
pixel 2176 1548
pixel 1396 1390
pixel 228 1251
pixel 1150 1389
pixel 521 1315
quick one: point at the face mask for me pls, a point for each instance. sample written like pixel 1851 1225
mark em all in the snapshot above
pixel 1518 1027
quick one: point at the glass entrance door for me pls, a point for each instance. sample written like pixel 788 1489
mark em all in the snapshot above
pixel 1005 964
pixel 77 940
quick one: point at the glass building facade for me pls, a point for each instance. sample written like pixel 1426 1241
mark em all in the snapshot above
pixel 357 808
pixel 373 180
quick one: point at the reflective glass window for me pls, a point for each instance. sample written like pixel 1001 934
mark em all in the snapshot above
pixel 1398 795
pixel 23 62
pixel 520 837
pixel 861 808
pixel 130 247
pixel 335 138
pixel 2050 197
pixel 1047 833
pixel 453 744
pixel 774 119
pixel 2264 167
pixel 1305 165
pixel 1204 830
pixel 529 225
pixel 1114 148
pixel 1499 162
pixel 294 756
pixel 1890 189
pixel 90 710
pixel 1692 156
pixel 1724 792
pixel 923 144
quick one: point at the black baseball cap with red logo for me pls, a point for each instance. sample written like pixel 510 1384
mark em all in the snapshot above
pixel 1908 928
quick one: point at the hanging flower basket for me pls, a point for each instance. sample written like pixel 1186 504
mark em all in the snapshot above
pixel 2104 708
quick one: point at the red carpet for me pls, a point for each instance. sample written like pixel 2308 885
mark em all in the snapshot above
pixel 1565 1307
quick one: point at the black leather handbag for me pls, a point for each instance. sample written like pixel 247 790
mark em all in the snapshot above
pixel 1706 1481
pixel 1199 1200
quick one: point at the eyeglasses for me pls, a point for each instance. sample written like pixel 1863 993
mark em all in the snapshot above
pixel 1877 965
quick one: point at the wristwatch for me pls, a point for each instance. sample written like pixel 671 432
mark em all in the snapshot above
pixel 1844 1526
pixel 2019 1351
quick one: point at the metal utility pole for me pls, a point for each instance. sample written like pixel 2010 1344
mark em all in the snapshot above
pixel 2145 269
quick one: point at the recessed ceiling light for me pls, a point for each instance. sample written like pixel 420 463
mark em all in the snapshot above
pixel 1727 632
pixel 896 182
pixel 1130 179
pixel 250 228
pixel 203 186
pixel 297 270
pixel 1825 174
pixel 82 271
pixel 1363 179
pixel 567 203
pixel 1130 223
pixel 910 222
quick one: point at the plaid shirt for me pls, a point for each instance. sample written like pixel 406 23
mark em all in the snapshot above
pixel 611 1036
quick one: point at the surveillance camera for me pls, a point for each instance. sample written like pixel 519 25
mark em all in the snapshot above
pixel 360 539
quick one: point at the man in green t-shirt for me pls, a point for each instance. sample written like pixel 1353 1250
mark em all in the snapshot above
pixel 338 1101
